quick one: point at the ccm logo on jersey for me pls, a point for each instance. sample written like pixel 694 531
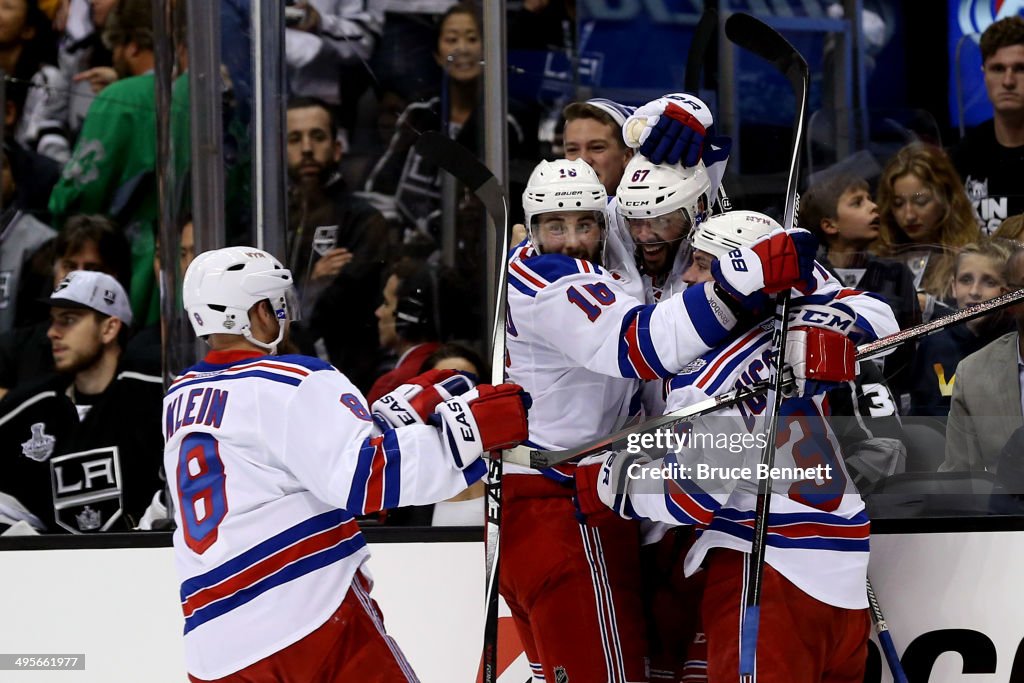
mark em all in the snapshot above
pixel 822 318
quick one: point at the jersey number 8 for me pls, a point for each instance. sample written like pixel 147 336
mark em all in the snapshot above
pixel 201 498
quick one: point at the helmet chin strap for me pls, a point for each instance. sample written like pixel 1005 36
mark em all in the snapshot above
pixel 272 346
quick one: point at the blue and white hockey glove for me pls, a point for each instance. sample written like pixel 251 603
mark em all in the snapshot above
pixel 414 402
pixel 603 485
pixel 487 418
pixel 819 350
pixel 671 129
pixel 780 260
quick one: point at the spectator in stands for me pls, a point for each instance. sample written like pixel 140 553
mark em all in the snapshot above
pixel 337 246
pixel 112 169
pixel 28 54
pixel 926 218
pixel 1011 229
pixel 93 427
pixel 403 185
pixel 86 243
pixel 841 214
pixel 979 276
pixel 409 321
pixel 985 409
pixel 322 36
pixel 990 158
pixel 84 60
pixel 22 235
pixel 593 132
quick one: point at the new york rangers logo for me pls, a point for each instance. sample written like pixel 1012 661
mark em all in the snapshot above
pixel 975 16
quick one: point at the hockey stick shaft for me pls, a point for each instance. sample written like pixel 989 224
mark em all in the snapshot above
pixel 460 162
pixel 541 459
pixel 702 35
pixel 757 37
pixel 892 657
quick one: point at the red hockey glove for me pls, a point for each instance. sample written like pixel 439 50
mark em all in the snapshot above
pixel 414 402
pixel 488 418
pixel 818 349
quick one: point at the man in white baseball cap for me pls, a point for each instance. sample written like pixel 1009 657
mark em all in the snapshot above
pixel 84 344
pixel 93 427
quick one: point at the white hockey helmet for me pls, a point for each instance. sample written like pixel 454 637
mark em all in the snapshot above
pixel 649 190
pixel 721 234
pixel 562 185
pixel 220 287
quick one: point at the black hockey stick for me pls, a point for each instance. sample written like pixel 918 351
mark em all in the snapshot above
pixel 756 36
pixel 460 162
pixel 702 35
pixel 620 439
pixel 885 638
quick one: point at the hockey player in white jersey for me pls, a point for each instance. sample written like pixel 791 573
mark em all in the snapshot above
pixel 579 343
pixel 816 559
pixel 270 458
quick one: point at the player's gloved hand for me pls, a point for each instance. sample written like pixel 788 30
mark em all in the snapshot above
pixel 780 260
pixel 487 418
pixel 819 351
pixel 414 402
pixel 603 485
pixel 671 129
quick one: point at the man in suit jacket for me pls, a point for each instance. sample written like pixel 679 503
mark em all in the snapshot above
pixel 986 405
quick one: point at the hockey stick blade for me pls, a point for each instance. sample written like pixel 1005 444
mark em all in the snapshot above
pixel 541 459
pixel 471 172
pixel 702 35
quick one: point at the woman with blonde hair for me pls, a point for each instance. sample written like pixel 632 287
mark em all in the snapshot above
pixel 926 217
pixel 1011 228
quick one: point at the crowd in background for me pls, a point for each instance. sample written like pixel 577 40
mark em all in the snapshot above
pixel 366 217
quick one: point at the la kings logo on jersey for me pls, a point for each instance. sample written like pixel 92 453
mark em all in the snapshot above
pixel 324 238
pixel 87 489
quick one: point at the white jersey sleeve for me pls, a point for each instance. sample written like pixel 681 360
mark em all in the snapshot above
pixel 581 310
pixel 335 450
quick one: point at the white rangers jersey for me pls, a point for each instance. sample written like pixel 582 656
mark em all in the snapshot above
pixel 269 459
pixel 818 530
pixel 578 343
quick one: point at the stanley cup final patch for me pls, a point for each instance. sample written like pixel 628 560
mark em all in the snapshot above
pixel 87 490
pixel 40 445
pixel 324 238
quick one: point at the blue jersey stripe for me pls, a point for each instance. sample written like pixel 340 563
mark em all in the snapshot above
pixel 730 366
pixel 626 368
pixel 643 334
pixel 746 533
pixel 291 572
pixel 703 319
pixel 357 493
pixel 392 470
pixel 520 285
pixel 264 549
pixel 258 374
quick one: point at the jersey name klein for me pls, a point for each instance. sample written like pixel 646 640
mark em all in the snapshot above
pixel 201 406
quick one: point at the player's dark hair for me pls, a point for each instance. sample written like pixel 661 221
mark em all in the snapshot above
pixel 131 21
pixel 113 247
pixel 455 350
pixel 308 101
pixel 1000 34
pixel 417 312
pixel 821 202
